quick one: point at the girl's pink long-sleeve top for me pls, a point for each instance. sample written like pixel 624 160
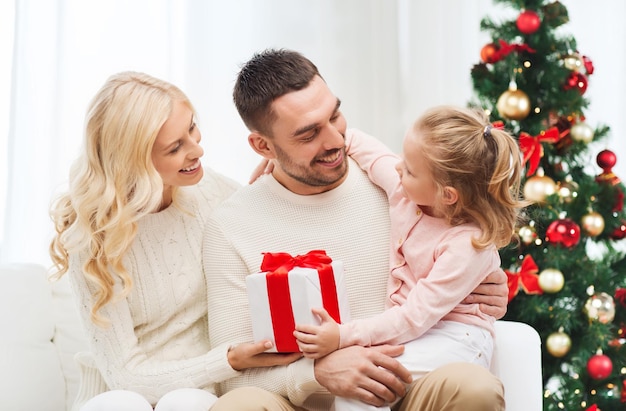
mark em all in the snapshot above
pixel 433 265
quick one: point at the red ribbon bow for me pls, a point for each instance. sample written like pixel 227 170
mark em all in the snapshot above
pixel 505 49
pixel 527 278
pixel 278 266
pixel 532 148
pixel 284 262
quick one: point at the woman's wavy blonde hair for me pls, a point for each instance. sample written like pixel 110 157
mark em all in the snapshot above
pixel 483 163
pixel 113 183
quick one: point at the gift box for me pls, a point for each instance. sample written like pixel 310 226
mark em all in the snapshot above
pixel 285 290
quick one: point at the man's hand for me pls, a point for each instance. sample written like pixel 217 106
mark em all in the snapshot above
pixel 316 341
pixel 491 295
pixel 367 374
pixel 252 355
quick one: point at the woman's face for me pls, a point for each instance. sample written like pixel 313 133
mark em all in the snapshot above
pixel 176 152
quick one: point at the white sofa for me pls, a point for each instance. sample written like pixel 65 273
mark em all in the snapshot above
pixel 41 333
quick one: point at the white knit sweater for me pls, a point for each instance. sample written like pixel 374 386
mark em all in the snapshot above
pixel 158 338
pixel 350 222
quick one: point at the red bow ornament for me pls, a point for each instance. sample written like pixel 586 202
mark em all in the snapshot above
pixel 527 278
pixel 533 150
pixel 505 49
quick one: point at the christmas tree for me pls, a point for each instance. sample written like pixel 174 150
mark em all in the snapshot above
pixel 567 274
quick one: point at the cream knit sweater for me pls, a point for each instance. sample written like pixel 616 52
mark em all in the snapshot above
pixel 350 222
pixel 158 338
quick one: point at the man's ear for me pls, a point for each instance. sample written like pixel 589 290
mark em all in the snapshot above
pixel 261 145
pixel 450 195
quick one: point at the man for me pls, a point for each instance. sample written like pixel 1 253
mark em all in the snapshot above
pixel 317 198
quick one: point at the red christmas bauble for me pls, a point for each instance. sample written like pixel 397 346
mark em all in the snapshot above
pixel 488 52
pixel 528 22
pixel 576 81
pixel 563 232
pixel 606 159
pixel 599 366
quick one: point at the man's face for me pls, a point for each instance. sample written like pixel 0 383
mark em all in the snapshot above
pixel 308 142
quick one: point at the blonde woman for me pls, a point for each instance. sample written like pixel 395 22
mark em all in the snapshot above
pixel 129 233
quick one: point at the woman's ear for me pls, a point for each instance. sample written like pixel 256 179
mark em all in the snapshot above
pixel 450 195
pixel 261 145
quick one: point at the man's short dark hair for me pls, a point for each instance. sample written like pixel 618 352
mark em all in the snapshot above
pixel 266 76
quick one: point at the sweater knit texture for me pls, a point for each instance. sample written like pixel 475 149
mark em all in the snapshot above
pixel 350 222
pixel 433 264
pixel 157 340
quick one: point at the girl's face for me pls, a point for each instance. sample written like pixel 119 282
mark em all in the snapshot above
pixel 417 181
pixel 176 152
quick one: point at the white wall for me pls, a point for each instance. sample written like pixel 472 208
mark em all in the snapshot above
pixel 387 60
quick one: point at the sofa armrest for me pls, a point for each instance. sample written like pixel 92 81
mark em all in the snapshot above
pixel 69 337
pixel 31 375
pixel 41 332
pixel 517 361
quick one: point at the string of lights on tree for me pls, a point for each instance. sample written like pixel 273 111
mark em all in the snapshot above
pixel 567 274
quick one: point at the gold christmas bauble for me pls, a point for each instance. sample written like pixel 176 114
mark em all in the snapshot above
pixel 573 62
pixel 527 234
pixel 513 105
pixel 582 132
pixel 568 190
pixel 592 224
pixel 551 280
pixel 558 344
pixel 600 307
pixel 538 187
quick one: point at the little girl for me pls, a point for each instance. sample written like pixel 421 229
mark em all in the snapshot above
pixel 454 200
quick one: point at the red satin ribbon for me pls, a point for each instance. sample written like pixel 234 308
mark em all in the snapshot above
pixel 505 49
pixel 278 266
pixel 527 278
pixel 532 148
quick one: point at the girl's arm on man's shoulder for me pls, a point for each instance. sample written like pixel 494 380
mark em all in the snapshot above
pixel 375 158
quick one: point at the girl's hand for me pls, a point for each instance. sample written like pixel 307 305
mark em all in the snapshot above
pixel 265 167
pixel 316 341
pixel 252 355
